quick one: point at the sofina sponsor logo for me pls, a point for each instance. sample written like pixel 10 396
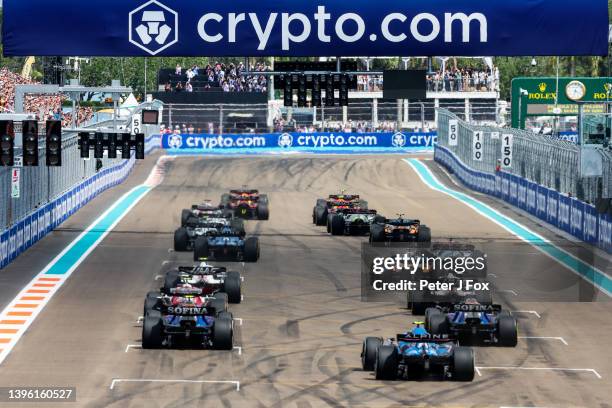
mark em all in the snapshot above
pixel 285 140
pixel 153 27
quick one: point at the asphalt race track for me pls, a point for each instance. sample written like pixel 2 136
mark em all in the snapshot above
pixel 303 321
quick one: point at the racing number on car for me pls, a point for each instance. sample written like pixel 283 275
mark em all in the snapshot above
pixel 477 146
pixel 453 132
pixel 506 150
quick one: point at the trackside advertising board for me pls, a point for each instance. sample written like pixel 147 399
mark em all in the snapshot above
pixel 311 142
pixel 305 27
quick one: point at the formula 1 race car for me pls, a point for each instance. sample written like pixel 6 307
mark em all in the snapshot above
pixel 414 352
pixel 323 207
pixel 204 210
pixel 212 280
pixel 186 316
pixel 351 221
pixel 185 236
pixel 471 321
pixel 420 300
pixel 248 204
pixel 399 230
pixel 228 244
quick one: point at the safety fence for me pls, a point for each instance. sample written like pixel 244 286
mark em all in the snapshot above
pixel 567 213
pixel 360 115
pixel 42 219
pixel 544 160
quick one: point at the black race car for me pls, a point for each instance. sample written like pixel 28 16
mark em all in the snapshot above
pixel 472 321
pixel 399 230
pixel 324 207
pixel 212 280
pixel 195 227
pixel 204 210
pixel 352 221
pixel 186 317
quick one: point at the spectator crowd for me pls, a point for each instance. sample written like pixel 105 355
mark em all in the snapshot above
pixel 217 76
pixel 463 80
pixel 453 80
pixel 44 107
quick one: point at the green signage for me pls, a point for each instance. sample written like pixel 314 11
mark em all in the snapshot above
pixel 527 92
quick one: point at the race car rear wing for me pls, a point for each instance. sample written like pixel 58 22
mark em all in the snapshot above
pixel 353 210
pixel 179 310
pixel 430 338
pixel 345 197
pixel 464 307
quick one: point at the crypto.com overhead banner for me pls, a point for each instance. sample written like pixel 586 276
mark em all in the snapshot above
pixel 305 27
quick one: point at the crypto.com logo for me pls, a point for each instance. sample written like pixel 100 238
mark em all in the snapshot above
pixel 175 141
pixel 285 140
pixel 398 140
pixel 153 27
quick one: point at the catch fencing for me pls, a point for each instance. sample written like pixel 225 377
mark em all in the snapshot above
pixel 545 160
pixel 543 178
pixel 49 195
pixel 360 115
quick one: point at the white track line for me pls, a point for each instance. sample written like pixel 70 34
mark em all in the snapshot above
pixel 239 350
pixel 561 339
pixel 533 312
pixel 508 291
pixel 588 370
pixel 239 320
pixel 120 380
pixel 134 346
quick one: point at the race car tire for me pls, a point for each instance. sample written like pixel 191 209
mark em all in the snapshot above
pixel 263 198
pixel 377 233
pixel 232 286
pixel 263 213
pixel 321 202
pixel 152 332
pixel 314 215
pixel 386 363
pixel 225 315
pixel 321 216
pixel 463 364
pixel 424 234
pixel 438 324
pixel 379 219
pixel 337 225
pixel 363 204
pixel 430 311
pixel 251 249
pixel 171 280
pixel 200 249
pixel 418 308
pixel 181 240
pixel 151 302
pixel 328 222
pixel 185 214
pixel 218 303
pixel 223 334
pixel 237 225
pixel 368 352
pixel 225 199
pixel 507 331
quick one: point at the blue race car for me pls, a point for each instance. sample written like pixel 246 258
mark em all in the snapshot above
pixel 187 317
pixel 227 244
pixel 414 352
pixel 471 321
